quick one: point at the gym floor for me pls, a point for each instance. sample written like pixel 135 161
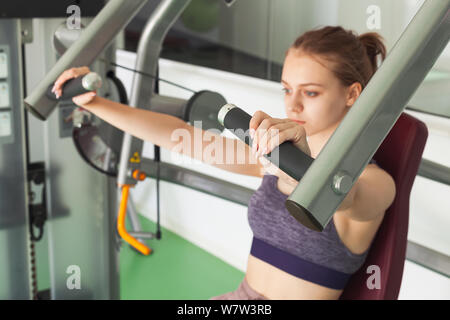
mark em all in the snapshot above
pixel 176 269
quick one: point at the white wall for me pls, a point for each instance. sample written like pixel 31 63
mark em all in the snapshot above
pixel 221 227
pixel 419 283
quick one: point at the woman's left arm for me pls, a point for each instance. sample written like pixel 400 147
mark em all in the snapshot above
pixel 373 194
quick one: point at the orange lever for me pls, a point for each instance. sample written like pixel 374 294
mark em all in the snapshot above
pixel 121 224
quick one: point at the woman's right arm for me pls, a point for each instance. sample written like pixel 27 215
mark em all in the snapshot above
pixel 168 132
pixel 174 134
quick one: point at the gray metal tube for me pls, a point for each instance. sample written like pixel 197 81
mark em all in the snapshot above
pixel 355 141
pixel 169 105
pixel 434 171
pixel 147 58
pixel 100 32
pixel 142 235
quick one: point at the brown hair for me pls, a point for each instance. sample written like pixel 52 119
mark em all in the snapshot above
pixel 353 57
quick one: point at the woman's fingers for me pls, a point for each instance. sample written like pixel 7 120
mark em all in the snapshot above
pixel 271 132
pixel 260 132
pixel 283 130
pixel 255 123
pixel 258 116
pixel 259 123
pixel 270 136
pixel 66 75
pixel 277 137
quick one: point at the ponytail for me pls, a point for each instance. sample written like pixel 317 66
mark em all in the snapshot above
pixel 373 42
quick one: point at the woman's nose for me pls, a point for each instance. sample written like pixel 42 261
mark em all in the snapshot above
pixel 295 103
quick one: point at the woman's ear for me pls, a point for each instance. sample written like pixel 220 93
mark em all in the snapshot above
pixel 353 93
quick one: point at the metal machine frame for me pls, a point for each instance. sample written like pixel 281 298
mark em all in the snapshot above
pixel 341 161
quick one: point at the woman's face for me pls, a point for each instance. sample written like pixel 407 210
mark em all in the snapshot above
pixel 312 93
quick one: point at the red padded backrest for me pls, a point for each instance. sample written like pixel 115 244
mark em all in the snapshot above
pixel 400 155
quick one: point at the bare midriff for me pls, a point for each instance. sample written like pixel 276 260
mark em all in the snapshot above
pixel 275 284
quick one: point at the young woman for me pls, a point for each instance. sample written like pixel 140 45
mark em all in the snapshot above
pixel 324 72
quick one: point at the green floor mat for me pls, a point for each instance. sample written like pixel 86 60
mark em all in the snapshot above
pixel 176 269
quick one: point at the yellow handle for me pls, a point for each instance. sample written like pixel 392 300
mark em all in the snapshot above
pixel 121 224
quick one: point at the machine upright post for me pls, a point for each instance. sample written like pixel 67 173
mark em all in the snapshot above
pixel 327 181
pixel 147 57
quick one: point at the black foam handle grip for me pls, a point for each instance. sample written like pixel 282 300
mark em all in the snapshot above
pixel 71 88
pixel 291 159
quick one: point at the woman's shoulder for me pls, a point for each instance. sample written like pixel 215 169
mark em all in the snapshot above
pixel 375 193
pixel 358 225
pixel 374 171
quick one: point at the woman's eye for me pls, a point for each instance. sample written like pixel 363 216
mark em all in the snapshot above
pixel 311 94
pixel 286 90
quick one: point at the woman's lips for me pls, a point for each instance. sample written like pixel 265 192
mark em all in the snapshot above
pixel 299 122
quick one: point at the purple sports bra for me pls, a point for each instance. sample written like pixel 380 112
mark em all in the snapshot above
pixel 280 240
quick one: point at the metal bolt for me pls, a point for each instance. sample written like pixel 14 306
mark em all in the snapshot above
pixel 342 183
